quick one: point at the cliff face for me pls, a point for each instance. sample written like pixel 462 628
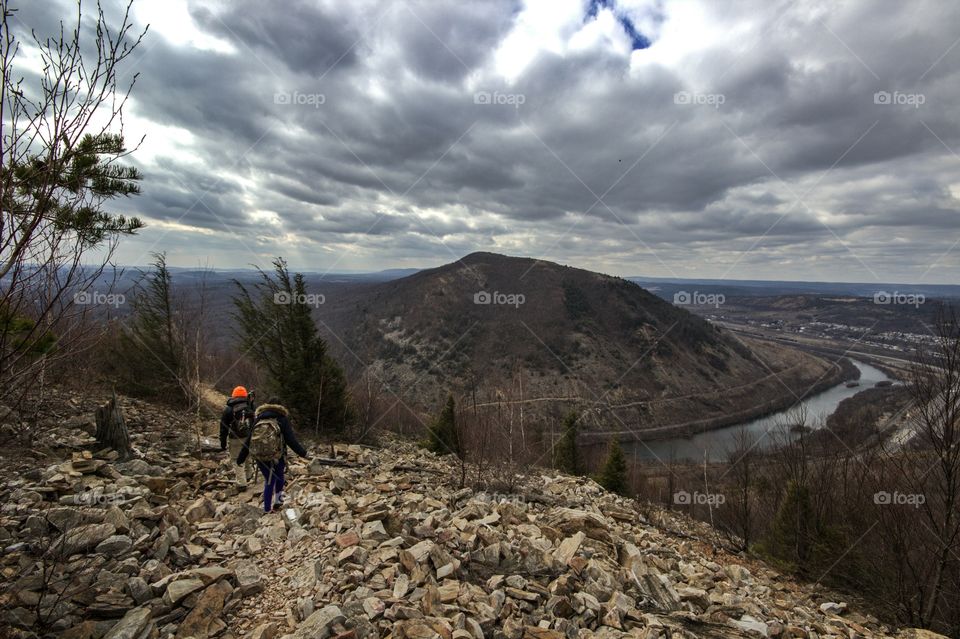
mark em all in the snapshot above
pixel 376 543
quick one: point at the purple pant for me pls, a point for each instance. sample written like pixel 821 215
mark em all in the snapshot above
pixel 272 482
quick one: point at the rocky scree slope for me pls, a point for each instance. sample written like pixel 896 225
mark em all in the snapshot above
pixel 382 545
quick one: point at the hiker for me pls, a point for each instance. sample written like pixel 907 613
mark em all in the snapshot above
pixel 267 445
pixel 235 425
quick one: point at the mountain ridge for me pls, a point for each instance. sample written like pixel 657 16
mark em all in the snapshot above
pixel 489 324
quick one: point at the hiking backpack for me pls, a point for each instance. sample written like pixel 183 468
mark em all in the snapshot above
pixel 242 422
pixel 266 441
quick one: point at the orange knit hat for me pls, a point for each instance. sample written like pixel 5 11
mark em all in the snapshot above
pixel 239 391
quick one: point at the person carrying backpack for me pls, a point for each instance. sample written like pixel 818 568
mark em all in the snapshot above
pixel 267 445
pixel 236 423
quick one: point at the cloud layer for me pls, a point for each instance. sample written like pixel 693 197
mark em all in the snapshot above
pixel 798 140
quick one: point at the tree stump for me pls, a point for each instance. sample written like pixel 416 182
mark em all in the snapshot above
pixel 112 429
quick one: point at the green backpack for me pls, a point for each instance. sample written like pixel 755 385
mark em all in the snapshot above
pixel 266 441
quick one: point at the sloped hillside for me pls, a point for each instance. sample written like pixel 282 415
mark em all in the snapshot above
pixel 383 544
pixel 539 332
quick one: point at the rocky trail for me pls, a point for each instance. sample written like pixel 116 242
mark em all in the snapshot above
pixel 376 543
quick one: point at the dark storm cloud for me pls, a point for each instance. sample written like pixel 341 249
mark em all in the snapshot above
pixel 466 32
pixel 361 124
pixel 300 35
pixel 43 18
pixel 218 100
pixel 299 192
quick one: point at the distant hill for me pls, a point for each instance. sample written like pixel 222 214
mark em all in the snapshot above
pixel 511 330
pixel 667 287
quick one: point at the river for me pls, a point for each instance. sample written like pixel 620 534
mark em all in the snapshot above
pixel 717 443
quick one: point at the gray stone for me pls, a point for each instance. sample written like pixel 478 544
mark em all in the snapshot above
pixel 264 631
pixel 201 622
pixel 248 578
pixel 115 545
pixel 139 467
pixel 81 538
pixel 832 608
pixel 319 625
pixel 117 517
pixel 139 590
pixel 374 530
pixel 296 534
pixel 177 590
pixel 132 626
pixel 200 510
pixel 750 624
pixel 569 547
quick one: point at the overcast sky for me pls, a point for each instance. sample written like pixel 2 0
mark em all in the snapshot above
pixel 755 139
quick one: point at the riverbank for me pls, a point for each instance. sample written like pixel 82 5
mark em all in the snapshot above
pixel 841 371
pixel 769 431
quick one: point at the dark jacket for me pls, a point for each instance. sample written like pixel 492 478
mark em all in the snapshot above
pixel 226 418
pixel 278 412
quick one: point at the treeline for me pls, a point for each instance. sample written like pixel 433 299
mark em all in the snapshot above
pixel 490 458
pixel 876 524
pixel 159 351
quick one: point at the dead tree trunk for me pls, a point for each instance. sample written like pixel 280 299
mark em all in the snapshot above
pixel 112 429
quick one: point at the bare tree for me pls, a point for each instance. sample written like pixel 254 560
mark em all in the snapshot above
pixel 195 349
pixel 740 514
pixel 61 147
pixel 369 405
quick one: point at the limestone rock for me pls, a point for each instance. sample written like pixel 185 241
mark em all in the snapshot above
pixel 177 590
pixel 264 631
pixel 201 620
pixel 115 545
pixel 569 547
pixel 134 625
pixel 248 578
pixel 319 625
pixel 200 510
pixel 81 538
